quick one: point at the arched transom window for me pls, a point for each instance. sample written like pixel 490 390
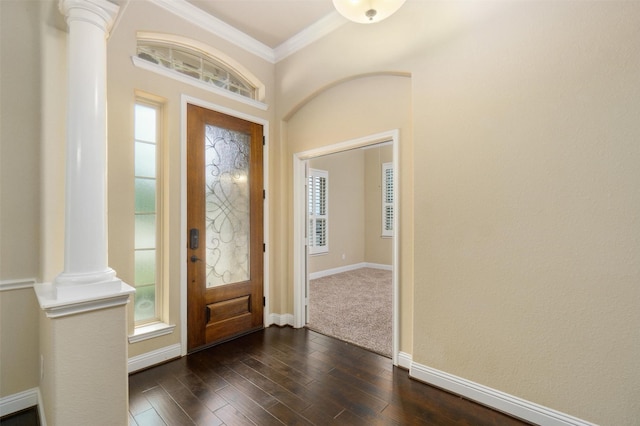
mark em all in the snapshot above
pixel 200 62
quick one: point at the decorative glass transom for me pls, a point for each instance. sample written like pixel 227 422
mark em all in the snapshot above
pixel 195 64
pixel 227 205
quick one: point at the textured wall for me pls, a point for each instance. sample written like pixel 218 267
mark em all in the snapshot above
pixel 527 256
pixel 20 125
pixel 88 383
pixel 526 189
pixel 346 210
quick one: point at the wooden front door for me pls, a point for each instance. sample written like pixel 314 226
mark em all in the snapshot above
pixel 224 227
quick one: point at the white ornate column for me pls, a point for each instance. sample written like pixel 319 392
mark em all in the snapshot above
pixel 83 321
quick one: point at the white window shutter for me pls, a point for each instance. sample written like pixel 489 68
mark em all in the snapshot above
pixel 318 211
pixel 387 199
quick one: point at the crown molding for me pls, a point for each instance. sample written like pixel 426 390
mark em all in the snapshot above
pixel 214 25
pixel 190 13
pixel 314 32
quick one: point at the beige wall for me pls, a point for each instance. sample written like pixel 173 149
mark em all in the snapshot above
pixel 526 196
pixel 20 135
pixel 346 210
pixel 20 126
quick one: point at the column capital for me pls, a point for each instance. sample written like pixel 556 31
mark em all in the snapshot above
pixel 101 13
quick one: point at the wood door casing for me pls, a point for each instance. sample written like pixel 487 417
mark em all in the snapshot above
pixel 219 313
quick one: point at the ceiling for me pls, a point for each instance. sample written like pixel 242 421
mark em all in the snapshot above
pixel 271 22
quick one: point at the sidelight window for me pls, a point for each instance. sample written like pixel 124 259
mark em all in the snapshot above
pixel 147 212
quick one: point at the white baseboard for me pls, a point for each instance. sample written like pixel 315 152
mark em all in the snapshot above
pixel 280 320
pixel 19 401
pixel 347 268
pixel 378 266
pixel 495 399
pixel 404 360
pixel 154 357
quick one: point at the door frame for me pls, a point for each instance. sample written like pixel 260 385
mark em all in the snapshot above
pixel 184 100
pixel 299 226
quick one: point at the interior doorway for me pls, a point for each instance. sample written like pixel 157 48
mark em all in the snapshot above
pixel 350 256
pixel 301 228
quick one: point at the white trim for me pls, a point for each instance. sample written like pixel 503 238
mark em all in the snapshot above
pixel 105 296
pixel 149 359
pixel 215 26
pixel 280 320
pixel 404 360
pixel 151 331
pixel 19 401
pixel 175 75
pixel 347 268
pixel 17 284
pixel 378 266
pixel 338 270
pixel 493 398
pixel 185 99
pixel 313 32
pixel 299 225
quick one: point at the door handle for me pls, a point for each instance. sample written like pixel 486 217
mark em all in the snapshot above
pixel 194 258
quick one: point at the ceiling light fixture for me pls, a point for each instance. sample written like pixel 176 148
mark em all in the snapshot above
pixel 367 11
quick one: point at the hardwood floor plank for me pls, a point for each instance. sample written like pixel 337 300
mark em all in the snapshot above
pixel 196 409
pixel 149 418
pixel 285 376
pixel 252 391
pixel 232 417
pixel 248 407
pixel 287 416
pixel 170 412
pixel 132 420
pixel 278 392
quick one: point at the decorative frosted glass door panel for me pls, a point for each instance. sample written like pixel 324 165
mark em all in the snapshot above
pixel 227 206
pixel 225 238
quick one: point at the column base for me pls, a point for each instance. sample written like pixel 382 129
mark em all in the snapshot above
pixel 58 300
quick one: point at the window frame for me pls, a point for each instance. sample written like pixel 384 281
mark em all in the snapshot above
pixel 312 217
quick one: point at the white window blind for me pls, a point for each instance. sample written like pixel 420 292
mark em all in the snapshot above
pixel 387 199
pixel 318 199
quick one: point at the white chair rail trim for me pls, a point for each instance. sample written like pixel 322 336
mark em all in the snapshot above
pixel 17 284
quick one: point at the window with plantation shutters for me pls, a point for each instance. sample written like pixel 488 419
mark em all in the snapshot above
pixel 387 199
pixel 318 200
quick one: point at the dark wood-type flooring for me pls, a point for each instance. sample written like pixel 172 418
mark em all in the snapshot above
pixel 294 377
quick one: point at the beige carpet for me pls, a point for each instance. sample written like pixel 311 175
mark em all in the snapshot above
pixel 354 306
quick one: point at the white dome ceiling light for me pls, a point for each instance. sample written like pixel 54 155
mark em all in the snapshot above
pixel 367 11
